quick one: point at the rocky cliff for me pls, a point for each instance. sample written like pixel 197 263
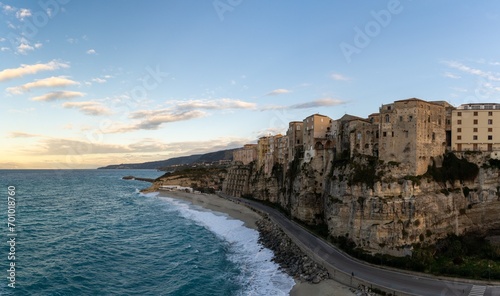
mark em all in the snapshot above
pixel 381 208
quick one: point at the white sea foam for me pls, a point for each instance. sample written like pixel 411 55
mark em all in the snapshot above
pixel 260 276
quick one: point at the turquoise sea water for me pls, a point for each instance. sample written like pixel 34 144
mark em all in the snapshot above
pixel 87 232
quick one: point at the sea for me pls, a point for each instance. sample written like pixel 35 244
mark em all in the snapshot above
pixel 89 232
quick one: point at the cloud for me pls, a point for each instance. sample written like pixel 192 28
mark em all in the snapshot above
pixel 89 107
pixel 7 8
pixel 58 95
pixel 91 51
pixel 38 45
pixel 451 75
pixel 4 48
pixel 339 77
pixel 51 146
pixel 8 74
pixel 278 92
pixel 472 71
pixel 318 103
pixel 23 13
pixel 178 111
pixel 98 80
pixel 220 104
pixel 24 46
pixel 46 82
pixel 22 135
pixel 152 120
pixel 326 102
pixel 61 146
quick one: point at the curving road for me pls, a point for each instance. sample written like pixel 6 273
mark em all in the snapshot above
pixel 396 281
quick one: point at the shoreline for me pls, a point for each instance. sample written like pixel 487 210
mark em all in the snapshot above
pixel 250 217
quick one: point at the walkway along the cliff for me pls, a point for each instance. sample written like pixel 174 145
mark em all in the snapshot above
pixel 352 272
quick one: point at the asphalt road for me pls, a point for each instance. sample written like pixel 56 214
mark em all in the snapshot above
pixel 393 280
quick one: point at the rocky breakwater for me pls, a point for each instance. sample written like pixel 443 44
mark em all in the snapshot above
pixel 288 255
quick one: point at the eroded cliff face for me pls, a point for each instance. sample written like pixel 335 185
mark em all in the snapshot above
pixel 378 206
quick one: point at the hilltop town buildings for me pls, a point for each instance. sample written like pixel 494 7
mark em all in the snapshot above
pixel 411 132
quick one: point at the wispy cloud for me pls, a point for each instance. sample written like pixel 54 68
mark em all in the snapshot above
pixel 279 91
pixel 98 80
pixel 451 75
pixel 22 135
pixel 23 13
pixel 339 77
pixel 326 102
pixel 152 120
pixel 58 95
pixel 219 104
pixel 89 107
pixel 177 111
pixel 473 71
pixel 23 70
pixel 53 81
pixel 91 51
pixel 7 8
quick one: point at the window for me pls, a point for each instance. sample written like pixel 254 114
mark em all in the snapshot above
pixel 459 113
pixel 459 130
pixel 433 136
pixel 384 134
pixel 474 137
pixel 448 121
pixel 475 113
pixel 298 127
pixel 298 141
pixel 459 121
pixel 490 113
pixel 490 121
pixel 475 121
pixel 429 118
pixel 387 118
pixel 410 118
pixel 474 129
pixel 392 134
pixel 459 137
pixel 388 107
pixel 400 118
pixel 490 129
pixel 406 134
pixel 490 137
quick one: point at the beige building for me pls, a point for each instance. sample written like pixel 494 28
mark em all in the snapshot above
pixel 295 138
pixel 262 149
pixel 315 132
pixel 236 183
pixel 246 155
pixel 271 156
pixel 412 132
pixel 476 127
pixel 282 150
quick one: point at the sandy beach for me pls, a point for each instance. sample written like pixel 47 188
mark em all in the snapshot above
pixel 249 217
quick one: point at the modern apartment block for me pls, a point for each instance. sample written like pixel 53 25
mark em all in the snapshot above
pixel 476 127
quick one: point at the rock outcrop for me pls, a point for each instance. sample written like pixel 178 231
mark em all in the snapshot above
pixel 290 258
pixel 378 205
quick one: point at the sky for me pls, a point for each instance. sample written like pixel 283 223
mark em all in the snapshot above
pixel 90 83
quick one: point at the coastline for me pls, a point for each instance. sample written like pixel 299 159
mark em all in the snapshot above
pixel 250 218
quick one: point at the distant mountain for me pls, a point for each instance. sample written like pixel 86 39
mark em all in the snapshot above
pixel 182 160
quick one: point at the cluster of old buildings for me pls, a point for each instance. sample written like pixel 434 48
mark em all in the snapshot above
pixel 410 132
